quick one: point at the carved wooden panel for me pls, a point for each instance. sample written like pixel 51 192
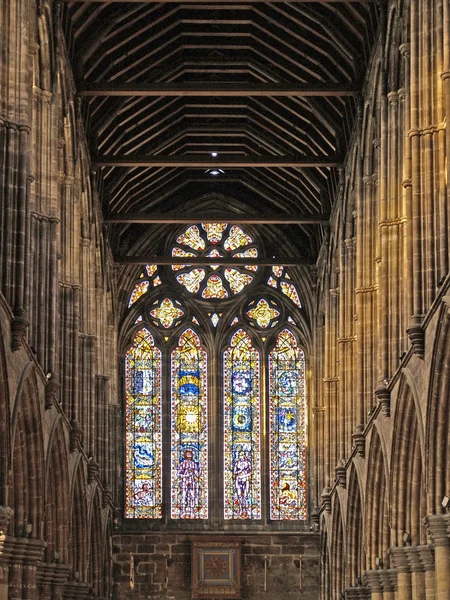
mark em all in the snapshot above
pixel 216 567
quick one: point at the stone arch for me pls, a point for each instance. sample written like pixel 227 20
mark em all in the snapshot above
pixel 27 460
pixel 438 416
pixel 407 473
pixel 79 526
pixel 377 516
pixel 57 505
pixel 337 550
pixel 354 529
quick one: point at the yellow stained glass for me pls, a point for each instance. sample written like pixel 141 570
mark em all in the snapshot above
pixel 166 313
pixel 214 288
pixel 250 252
pixel 277 270
pixel 290 291
pixel 214 231
pixel 139 290
pixel 263 313
pixel 272 282
pixel 180 253
pixel 192 280
pixel 151 269
pixel 237 280
pixel 157 281
pixel 191 237
pixel 236 239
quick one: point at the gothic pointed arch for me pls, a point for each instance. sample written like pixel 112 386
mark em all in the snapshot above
pixel 355 566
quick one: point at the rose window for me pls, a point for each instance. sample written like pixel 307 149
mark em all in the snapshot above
pixel 214 240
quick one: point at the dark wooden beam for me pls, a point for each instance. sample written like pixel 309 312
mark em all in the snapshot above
pixel 213 2
pixel 211 89
pixel 205 261
pixel 232 219
pixel 190 161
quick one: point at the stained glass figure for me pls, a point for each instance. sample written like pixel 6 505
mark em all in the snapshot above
pixel 189 429
pixel 192 280
pixel 139 290
pixel 236 238
pixel 287 429
pixel 179 252
pixel 290 291
pixel 214 319
pixel 237 280
pixel 151 269
pixel 167 313
pixel 214 253
pixel 143 469
pixel 249 253
pixel 214 231
pixel 214 288
pixel 277 270
pixel 191 237
pixel 263 313
pixel 242 459
pixel 272 282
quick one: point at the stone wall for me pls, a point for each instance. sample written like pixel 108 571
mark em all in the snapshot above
pixel 283 552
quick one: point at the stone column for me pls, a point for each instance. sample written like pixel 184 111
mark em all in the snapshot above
pixel 437 531
pixel 357 593
pixel 417 572
pixel 426 554
pixel 6 514
pixel 20 556
pixel 51 578
pixel 400 561
pixel 374 581
pixel 389 583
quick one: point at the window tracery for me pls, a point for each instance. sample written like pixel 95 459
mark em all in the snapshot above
pixel 184 360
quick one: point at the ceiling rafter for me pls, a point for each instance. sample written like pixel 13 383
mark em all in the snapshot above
pixel 222 162
pixel 238 219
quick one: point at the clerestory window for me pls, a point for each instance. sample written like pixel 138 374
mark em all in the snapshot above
pixel 215 386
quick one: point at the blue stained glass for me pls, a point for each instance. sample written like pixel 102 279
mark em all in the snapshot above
pixel 189 429
pixel 242 468
pixel 287 433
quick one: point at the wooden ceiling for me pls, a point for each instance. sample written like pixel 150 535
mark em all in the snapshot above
pixel 272 87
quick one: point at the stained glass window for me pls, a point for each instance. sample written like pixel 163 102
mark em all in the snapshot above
pixel 214 288
pixel 143 428
pixel 214 231
pixel 242 460
pixel 189 429
pixel 166 313
pixel 290 291
pixel 287 429
pixel 139 290
pixel 262 313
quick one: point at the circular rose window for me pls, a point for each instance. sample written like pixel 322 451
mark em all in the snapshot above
pixel 214 240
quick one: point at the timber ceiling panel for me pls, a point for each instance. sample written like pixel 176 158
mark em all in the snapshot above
pixel 252 81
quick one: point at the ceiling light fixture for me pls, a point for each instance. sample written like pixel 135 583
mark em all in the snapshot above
pixel 214 154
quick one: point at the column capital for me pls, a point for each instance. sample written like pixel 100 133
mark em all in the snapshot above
pixel 374 580
pixel 414 560
pixel 399 559
pixel 436 527
pixel 388 580
pixel 426 554
pixel 76 590
pixel 21 550
pixel 52 573
pixel 357 593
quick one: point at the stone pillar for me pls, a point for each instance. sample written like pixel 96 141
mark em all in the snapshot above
pixel 426 554
pixel 437 531
pixel 389 583
pixel 76 590
pixel 51 578
pixel 417 572
pixel 400 561
pixel 6 514
pixel 19 556
pixel 357 593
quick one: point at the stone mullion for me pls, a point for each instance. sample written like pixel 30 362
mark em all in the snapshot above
pixel 341 345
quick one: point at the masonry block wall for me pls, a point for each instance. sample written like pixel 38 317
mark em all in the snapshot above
pixel 283 553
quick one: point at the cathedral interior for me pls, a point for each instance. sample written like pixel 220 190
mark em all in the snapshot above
pixel 270 421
